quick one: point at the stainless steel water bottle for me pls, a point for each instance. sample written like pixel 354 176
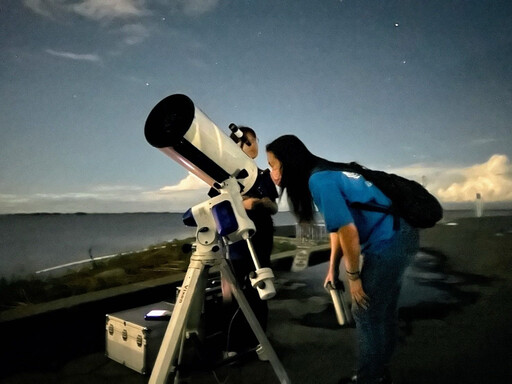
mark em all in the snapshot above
pixel 341 307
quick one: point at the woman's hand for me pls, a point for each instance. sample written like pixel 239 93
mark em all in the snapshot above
pixel 331 277
pixel 359 297
pixel 264 202
pixel 249 203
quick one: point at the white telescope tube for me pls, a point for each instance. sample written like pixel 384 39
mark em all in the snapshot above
pixel 184 133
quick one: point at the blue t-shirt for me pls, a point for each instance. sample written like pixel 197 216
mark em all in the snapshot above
pixel 333 191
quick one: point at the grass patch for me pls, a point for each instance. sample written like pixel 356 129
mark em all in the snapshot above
pixel 282 246
pixel 157 261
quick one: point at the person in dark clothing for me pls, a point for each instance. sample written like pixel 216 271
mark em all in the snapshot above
pixel 260 204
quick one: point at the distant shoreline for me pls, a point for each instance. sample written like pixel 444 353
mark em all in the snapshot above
pixel 462 208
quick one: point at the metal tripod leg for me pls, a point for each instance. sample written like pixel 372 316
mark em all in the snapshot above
pixel 255 325
pixel 193 285
pixel 188 304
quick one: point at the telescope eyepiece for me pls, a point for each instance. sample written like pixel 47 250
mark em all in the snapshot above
pixel 236 131
pixel 237 135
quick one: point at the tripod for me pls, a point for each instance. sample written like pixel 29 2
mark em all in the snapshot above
pixel 214 218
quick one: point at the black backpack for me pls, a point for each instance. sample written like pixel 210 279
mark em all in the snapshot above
pixel 409 199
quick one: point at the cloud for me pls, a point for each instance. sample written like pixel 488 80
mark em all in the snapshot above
pixel 75 56
pixel 191 182
pixel 179 197
pixel 110 9
pixel 91 9
pixel 134 33
pixel 41 7
pixel 492 179
pixel 116 188
pixel 111 198
pixel 131 12
pixel 100 10
pixel 197 7
pixel 482 141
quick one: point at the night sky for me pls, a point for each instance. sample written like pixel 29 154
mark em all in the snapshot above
pixel 420 88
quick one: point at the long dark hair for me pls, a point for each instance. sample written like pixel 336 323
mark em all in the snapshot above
pixel 298 163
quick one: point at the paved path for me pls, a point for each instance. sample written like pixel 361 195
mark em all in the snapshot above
pixel 302 329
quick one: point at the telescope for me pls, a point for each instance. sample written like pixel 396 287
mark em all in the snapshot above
pixel 184 133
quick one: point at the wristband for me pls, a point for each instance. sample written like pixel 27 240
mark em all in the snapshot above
pixel 352 275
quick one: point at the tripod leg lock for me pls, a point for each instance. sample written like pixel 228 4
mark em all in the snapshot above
pixel 263 280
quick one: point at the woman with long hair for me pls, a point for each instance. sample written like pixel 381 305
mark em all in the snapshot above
pixel 313 182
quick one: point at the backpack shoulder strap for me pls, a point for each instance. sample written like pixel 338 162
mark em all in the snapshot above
pixel 366 173
pixel 379 208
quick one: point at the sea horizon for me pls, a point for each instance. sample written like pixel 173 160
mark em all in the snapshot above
pixel 31 242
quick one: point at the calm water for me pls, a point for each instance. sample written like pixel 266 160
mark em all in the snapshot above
pixel 29 243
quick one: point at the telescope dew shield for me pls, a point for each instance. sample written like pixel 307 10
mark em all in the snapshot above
pixel 184 133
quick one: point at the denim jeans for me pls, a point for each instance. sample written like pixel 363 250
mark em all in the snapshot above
pixel 377 326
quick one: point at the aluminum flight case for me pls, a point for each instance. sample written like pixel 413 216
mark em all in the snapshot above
pixel 134 341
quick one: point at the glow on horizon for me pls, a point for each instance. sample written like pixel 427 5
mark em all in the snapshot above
pixel 491 179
